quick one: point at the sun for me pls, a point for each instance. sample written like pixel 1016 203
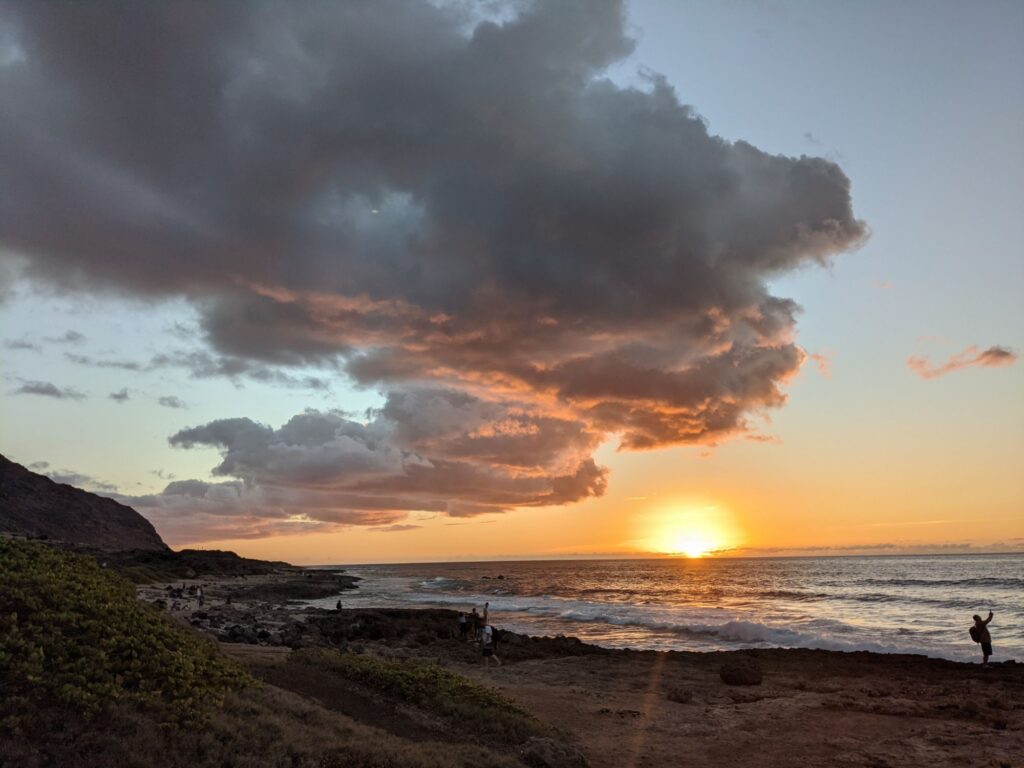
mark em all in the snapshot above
pixel 691 544
pixel 692 530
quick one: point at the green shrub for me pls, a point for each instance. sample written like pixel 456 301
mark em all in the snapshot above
pixel 73 635
pixel 466 704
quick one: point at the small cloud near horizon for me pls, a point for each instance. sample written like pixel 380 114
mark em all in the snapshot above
pixel 120 396
pixel 993 357
pixel 399 528
pixel 170 401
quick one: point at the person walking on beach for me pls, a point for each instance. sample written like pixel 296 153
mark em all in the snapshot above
pixel 483 621
pixel 979 633
pixel 463 627
pixel 474 623
pixel 487 645
pixel 199 592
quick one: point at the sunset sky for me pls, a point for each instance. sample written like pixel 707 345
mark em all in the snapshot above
pixel 409 280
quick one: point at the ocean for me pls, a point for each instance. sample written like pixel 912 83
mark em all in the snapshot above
pixel 911 604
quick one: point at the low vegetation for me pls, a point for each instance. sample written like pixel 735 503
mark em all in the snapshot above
pixel 92 677
pixel 74 636
pixel 465 704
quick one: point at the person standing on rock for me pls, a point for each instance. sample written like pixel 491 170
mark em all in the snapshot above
pixel 474 623
pixel 979 633
pixel 463 627
pixel 483 620
pixel 487 645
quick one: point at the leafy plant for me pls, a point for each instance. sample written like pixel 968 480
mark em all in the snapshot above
pixel 74 635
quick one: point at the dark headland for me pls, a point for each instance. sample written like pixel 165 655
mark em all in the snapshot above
pixel 108 656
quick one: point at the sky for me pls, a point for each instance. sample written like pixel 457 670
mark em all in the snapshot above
pixel 409 280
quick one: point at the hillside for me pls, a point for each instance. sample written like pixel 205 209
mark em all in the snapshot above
pixel 35 506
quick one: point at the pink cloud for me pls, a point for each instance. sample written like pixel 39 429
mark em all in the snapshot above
pixel 993 357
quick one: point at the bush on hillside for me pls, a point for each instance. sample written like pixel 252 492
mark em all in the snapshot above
pixel 74 636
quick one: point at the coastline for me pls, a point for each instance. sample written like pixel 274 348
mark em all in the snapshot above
pixel 652 708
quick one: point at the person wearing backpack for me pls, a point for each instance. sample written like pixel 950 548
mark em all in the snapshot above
pixel 979 634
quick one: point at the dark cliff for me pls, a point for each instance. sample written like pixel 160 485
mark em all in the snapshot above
pixel 35 506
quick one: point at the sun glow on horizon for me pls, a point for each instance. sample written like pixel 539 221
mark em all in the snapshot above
pixel 689 530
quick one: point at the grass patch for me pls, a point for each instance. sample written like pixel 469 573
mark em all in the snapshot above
pixel 467 705
pixel 74 637
pixel 253 728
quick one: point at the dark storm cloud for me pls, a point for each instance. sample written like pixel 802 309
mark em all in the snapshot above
pixel 47 389
pixel 422 198
pixel 971 357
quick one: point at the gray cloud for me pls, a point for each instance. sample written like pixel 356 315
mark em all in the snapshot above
pixel 120 396
pixel 398 528
pixel 69 337
pixel 425 450
pixel 172 401
pixel 423 198
pixel 203 365
pixel 124 365
pixel 47 389
pixel 971 357
pixel 21 344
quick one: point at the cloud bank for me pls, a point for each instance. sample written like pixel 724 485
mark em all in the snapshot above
pixel 972 357
pixel 429 202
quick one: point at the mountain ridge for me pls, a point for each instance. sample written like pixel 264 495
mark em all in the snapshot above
pixel 34 506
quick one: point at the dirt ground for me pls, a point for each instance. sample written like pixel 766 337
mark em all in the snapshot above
pixel 814 708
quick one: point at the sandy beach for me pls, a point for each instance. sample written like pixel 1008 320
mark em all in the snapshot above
pixel 642 708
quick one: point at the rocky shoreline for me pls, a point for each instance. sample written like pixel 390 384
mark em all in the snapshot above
pixel 639 708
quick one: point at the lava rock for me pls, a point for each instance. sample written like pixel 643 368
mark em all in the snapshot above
pixel 543 752
pixel 680 695
pixel 741 672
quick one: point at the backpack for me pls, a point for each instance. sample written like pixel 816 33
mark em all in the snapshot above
pixel 975 633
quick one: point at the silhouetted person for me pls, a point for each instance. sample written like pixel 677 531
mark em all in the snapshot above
pixel 474 623
pixel 463 627
pixel 980 634
pixel 337 606
pixel 488 644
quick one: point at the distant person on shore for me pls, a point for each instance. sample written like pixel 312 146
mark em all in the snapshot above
pixel 488 643
pixel 337 606
pixel 486 609
pixel 463 627
pixel 474 623
pixel 979 633
pixel 199 593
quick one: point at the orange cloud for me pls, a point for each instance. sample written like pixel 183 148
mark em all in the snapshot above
pixel 993 357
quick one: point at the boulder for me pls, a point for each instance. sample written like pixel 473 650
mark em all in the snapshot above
pixel 741 672
pixel 680 695
pixel 542 752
